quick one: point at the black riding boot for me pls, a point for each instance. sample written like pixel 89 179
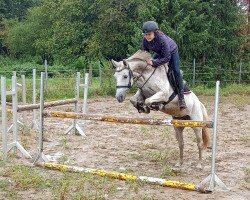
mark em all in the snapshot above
pixel 180 91
pixel 175 66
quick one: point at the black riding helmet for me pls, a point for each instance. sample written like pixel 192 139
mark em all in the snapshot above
pixel 150 26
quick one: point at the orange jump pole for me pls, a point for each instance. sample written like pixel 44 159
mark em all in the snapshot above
pixel 146 121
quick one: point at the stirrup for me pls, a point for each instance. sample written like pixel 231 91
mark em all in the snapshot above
pixel 155 106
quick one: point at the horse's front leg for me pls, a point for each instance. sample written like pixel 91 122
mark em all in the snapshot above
pixel 138 102
pixel 179 137
pixel 157 98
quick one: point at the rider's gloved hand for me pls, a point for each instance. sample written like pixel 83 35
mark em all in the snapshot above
pixel 149 62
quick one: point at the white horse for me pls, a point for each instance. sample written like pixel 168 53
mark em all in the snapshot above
pixel 154 91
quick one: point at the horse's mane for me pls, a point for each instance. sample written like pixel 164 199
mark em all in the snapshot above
pixel 140 54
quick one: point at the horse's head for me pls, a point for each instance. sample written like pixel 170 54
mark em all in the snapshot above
pixel 124 79
pixel 125 71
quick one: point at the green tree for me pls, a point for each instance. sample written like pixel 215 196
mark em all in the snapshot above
pixel 9 10
pixel 68 29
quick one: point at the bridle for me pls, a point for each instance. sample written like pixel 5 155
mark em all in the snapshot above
pixel 132 76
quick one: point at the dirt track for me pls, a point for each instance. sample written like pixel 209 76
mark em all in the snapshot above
pixel 152 150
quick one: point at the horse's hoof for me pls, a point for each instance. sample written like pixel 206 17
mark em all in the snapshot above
pixel 147 110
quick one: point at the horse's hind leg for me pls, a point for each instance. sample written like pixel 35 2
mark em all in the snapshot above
pixel 198 133
pixel 179 137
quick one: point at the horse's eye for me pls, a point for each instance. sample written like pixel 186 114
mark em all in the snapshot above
pixel 125 76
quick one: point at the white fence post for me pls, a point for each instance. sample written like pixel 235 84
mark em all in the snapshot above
pixel 86 84
pixel 4 116
pixel 24 102
pixel 46 76
pixel 240 72
pixel 194 72
pixel 100 72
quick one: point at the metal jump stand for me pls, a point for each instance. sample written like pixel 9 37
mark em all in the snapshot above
pixel 15 144
pixel 75 127
pixel 213 180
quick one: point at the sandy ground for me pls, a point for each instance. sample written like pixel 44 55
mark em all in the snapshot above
pixel 151 150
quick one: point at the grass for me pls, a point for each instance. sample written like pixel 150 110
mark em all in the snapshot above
pixel 59 185
pixel 162 156
pixel 24 178
pixel 246 137
pixel 15 179
pixel 62 88
pixel 227 90
pixel 247 175
pixel 168 171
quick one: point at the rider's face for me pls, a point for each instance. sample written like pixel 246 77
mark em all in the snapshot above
pixel 149 36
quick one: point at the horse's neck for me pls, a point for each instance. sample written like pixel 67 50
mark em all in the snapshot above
pixel 157 79
pixel 140 68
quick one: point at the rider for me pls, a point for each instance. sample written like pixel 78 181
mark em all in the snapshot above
pixel 166 50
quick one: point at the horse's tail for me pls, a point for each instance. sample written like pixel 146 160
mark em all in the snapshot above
pixel 205 133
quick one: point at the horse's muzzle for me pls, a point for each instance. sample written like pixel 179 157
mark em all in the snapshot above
pixel 120 98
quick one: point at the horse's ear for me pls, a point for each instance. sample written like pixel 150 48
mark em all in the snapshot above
pixel 125 62
pixel 114 63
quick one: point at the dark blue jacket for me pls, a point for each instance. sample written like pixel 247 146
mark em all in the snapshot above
pixel 163 46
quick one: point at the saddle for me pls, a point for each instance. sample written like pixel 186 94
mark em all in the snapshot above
pixel 156 106
pixel 171 78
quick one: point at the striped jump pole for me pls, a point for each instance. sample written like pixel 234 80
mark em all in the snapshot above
pixel 126 120
pixel 122 176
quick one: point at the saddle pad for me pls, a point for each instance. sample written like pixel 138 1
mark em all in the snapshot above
pixel 172 82
pixel 186 89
